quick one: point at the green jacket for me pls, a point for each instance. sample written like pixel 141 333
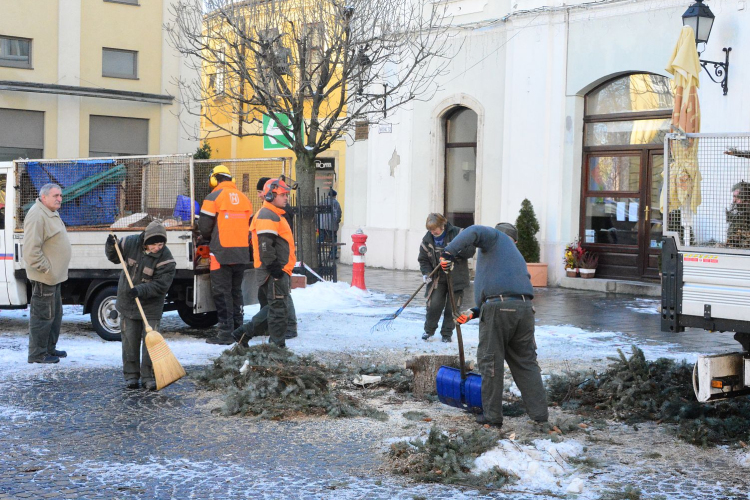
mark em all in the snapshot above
pixel 152 275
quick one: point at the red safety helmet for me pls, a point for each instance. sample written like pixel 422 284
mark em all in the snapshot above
pixel 274 187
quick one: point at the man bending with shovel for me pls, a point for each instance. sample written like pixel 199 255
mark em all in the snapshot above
pixel 503 295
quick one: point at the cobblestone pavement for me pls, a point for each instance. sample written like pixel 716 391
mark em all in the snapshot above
pixel 76 434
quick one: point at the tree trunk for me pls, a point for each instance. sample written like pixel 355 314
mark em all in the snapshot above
pixel 305 168
pixel 425 370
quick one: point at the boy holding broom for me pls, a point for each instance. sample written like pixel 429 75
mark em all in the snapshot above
pixel 152 268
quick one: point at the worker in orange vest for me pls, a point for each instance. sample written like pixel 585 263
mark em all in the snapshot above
pixel 274 257
pixel 225 224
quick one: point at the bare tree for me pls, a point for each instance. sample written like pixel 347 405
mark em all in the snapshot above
pixel 316 67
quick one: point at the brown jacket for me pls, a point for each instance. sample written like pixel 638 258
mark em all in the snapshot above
pixel 46 247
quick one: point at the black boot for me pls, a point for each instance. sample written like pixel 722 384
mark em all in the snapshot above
pixel 223 338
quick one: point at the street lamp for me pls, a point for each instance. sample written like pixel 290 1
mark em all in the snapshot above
pixel 701 19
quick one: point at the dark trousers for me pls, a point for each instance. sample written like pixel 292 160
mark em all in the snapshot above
pixel 136 362
pixel 45 319
pixel 291 312
pixel 439 304
pixel 275 293
pixel 506 333
pixel 226 286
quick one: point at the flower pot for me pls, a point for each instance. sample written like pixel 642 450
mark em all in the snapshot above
pixel 538 273
pixel 571 272
pixel 587 273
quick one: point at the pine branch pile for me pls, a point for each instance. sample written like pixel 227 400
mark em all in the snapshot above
pixel 636 390
pixel 278 384
pixel 448 458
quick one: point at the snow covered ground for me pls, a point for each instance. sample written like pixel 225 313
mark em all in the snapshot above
pixel 333 317
pixel 336 320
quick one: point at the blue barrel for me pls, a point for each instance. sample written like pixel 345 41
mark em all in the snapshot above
pixel 458 393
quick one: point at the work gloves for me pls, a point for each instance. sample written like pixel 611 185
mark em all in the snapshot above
pixel 133 293
pixel 426 279
pixel 468 315
pixel 111 240
pixel 446 262
pixel 275 270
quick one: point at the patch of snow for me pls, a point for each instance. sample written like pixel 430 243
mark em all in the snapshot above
pixel 15 414
pixel 575 486
pixel 539 467
pixel 744 461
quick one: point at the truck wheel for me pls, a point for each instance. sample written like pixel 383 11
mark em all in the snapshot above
pixel 199 320
pixel 104 316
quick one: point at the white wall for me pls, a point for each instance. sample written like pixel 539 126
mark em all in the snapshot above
pixel 528 74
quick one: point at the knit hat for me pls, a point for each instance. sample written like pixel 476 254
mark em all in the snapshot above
pixel 262 183
pixel 332 193
pixel 509 229
pixel 154 233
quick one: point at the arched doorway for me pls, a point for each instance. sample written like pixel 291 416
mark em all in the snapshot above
pixel 460 166
pixel 623 160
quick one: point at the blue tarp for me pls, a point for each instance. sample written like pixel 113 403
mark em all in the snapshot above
pixel 96 207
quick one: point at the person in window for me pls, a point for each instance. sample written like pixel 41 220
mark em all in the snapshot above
pixel 738 217
pixel 440 232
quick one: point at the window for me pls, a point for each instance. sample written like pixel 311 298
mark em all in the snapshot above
pixel 117 136
pixel 129 2
pixel 15 52
pixel 460 166
pixel 117 63
pixel 21 134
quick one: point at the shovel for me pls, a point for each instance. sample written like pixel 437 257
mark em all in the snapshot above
pixel 456 387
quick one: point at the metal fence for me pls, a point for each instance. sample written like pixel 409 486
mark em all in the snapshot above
pixel 117 193
pixel 707 194
pixel 327 250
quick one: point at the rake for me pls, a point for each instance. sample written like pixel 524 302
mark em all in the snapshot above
pixel 387 322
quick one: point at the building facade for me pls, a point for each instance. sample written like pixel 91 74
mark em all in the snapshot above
pixel 81 78
pixel 565 104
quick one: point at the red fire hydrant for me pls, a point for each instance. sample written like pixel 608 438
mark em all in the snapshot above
pixel 358 259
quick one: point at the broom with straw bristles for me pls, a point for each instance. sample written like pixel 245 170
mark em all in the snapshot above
pixel 166 367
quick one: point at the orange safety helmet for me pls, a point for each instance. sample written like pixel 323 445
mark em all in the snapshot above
pixel 274 187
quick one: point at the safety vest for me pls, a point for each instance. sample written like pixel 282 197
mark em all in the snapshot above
pixel 272 239
pixel 226 213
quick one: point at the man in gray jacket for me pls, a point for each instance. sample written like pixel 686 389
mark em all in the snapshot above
pixel 46 252
pixel 503 295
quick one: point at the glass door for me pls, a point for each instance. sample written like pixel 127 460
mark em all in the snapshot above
pixel 653 219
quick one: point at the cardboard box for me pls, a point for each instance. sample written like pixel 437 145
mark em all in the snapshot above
pixel 299 281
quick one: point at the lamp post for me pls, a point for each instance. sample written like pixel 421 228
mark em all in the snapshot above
pixel 699 17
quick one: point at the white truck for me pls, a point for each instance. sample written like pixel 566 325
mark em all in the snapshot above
pixel 120 195
pixel 706 252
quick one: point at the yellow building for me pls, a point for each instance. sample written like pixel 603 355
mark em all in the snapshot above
pixel 221 126
pixel 83 78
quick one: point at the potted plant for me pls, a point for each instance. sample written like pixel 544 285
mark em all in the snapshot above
pixel 527 227
pixel 587 264
pixel 571 258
